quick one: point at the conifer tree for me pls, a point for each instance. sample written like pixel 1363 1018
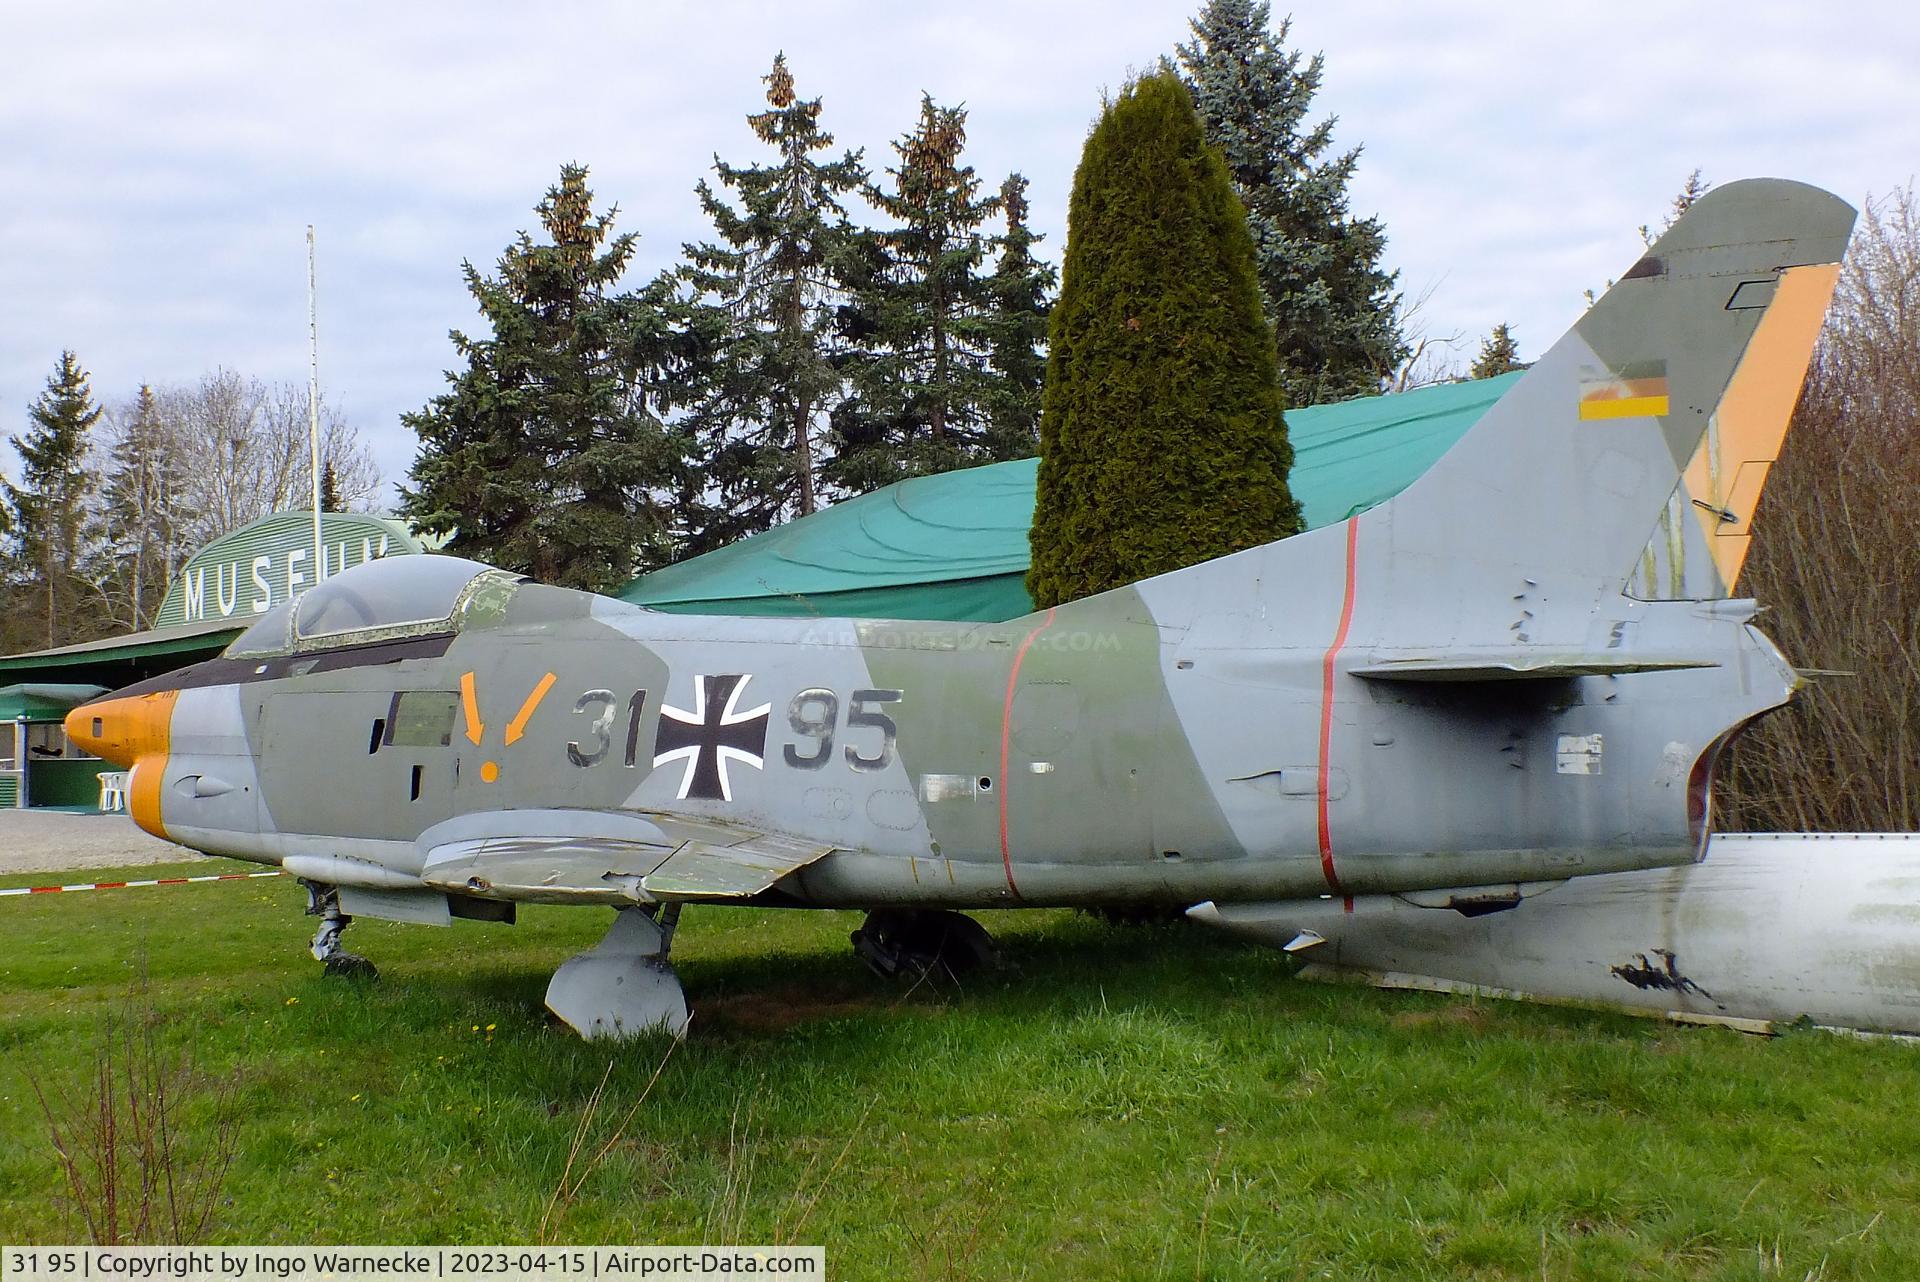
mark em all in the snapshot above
pixel 1161 437
pixel 1021 289
pixel 1690 191
pixel 762 305
pixel 922 382
pixel 1330 301
pixel 145 501
pixel 49 514
pixel 1499 354
pixel 329 488
pixel 548 454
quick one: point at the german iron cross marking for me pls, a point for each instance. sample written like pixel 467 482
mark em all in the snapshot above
pixel 715 732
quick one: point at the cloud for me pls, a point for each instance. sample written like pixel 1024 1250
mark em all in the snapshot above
pixel 159 164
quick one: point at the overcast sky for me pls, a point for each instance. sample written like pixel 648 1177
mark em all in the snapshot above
pixel 159 163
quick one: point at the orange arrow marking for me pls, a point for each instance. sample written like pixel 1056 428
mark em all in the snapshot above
pixel 518 726
pixel 470 706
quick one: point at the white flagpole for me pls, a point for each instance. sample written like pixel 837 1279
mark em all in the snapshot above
pixel 313 409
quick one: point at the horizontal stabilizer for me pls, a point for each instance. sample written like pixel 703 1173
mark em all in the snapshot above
pixel 1520 665
pixel 1767 930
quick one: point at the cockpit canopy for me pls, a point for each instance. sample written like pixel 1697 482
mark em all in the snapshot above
pixel 393 596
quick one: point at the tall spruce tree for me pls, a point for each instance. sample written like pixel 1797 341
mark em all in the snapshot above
pixel 548 455
pixel 54 537
pixel 1499 354
pixel 763 309
pixel 145 494
pixel 923 312
pixel 1331 303
pixel 1161 437
pixel 1021 289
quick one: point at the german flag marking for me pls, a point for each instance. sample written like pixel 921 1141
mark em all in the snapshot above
pixel 1644 397
pixel 1624 407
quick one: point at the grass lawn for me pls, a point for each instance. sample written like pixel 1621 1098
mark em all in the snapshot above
pixel 1115 1102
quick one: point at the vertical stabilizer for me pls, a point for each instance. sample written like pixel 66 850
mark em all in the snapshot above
pixel 1626 461
pixel 1634 451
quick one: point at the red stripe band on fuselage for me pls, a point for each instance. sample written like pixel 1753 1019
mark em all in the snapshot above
pixel 1006 736
pixel 1326 711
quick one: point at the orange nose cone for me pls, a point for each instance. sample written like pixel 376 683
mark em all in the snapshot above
pixel 124 730
pixel 132 732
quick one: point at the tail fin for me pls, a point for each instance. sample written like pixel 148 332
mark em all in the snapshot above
pixel 1626 461
pixel 1635 450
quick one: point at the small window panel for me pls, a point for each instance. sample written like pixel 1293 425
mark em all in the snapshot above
pixel 422 719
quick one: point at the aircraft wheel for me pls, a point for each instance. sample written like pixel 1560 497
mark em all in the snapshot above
pixel 894 941
pixel 351 965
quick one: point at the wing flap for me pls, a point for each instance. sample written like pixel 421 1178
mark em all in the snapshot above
pixel 701 870
pixel 597 857
pixel 545 869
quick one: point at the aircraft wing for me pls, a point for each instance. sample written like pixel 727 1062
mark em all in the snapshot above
pixel 1521 665
pixel 606 857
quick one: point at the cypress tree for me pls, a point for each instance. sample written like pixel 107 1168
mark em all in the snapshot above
pixel 1330 301
pixel 548 455
pixel 763 310
pixel 1161 437
pixel 49 514
pixel 923 313
pixel 1499 354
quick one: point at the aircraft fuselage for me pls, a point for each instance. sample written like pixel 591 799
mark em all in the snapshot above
pixel 1102 759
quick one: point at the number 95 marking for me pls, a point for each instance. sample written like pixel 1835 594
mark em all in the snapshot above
pixel 813 714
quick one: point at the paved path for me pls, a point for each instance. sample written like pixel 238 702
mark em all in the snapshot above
pixel 56 841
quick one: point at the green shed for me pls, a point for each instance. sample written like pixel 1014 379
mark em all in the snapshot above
pixel 39 764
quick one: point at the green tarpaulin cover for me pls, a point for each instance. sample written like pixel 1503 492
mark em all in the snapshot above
pixel 954 546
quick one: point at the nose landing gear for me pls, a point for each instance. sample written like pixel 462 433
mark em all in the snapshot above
pixel 323 901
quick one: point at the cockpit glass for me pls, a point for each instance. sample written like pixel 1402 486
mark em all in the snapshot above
pixel 267 635
pixel 391 592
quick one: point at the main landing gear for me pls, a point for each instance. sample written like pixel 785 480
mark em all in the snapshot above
pixel 323 901
pixel 624 985
pixel 917 941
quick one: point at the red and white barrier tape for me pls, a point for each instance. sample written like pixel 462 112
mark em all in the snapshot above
pixel 123 885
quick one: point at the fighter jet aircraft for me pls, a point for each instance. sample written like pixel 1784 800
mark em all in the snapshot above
pixel 1520 670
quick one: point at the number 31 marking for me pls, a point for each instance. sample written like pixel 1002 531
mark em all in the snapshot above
pixel 601 704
